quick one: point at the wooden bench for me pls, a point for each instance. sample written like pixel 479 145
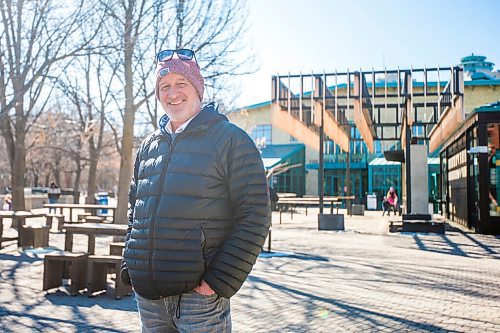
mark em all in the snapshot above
pixel 35 236
pixel 60 220
pixel 65 265
pixel 18 219
pixel 395 225
pixel 290 204
pixel 97 275
pixel 96 219
pixel 82 216
pixel 116 248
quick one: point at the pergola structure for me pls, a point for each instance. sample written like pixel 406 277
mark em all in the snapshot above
pixel 392 106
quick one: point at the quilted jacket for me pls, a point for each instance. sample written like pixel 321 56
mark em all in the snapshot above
pixel 199 209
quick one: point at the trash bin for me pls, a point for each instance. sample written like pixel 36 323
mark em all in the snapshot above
pixel 371 202
pixel 102 198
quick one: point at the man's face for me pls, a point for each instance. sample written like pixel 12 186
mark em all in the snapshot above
pixel 178 97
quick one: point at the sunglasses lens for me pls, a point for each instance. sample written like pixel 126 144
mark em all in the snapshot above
pixel 165 55
pixel 185 54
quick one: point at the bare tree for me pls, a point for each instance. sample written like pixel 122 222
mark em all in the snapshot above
pixel 213 29
pixel 216 29
pixel 90 94
pixel 132 23
pixel 35 35
pixel 56 149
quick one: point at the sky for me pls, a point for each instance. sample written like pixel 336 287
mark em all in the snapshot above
pixel 327 35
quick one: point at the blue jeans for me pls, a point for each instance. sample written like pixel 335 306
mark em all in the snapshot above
pixel 197 313
pixel 52 201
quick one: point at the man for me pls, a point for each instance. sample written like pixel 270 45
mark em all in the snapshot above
pixel 199 208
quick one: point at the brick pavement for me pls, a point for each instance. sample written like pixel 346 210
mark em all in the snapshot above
pixel 360 280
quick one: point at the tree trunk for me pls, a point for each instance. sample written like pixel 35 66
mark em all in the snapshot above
pixel 47 179
pixel 36 179
pixel 91 185
pixel 125 176
pixel 76 184
pixel 19 168
pixel 127 145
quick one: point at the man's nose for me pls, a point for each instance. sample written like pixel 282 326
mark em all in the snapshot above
pixel 173 92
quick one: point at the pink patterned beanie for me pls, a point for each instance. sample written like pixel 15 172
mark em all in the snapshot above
pixel 187 68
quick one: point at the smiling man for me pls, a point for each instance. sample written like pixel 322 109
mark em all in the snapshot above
pixel 199 208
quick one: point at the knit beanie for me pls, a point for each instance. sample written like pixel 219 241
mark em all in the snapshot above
pixel 187 68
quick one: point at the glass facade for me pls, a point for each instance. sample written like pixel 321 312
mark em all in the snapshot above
pixel 336 182
pixel 293 180
pixel 470 166
pixel 435 184
pixel 493 168
pixel 381 177
pixel 262 134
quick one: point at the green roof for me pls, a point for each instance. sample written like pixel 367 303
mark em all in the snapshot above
pixel 253 106
pixel 273 154
pixel 492 107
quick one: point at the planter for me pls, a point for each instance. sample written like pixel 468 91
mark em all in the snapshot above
pixel 331 222
pixel 358 209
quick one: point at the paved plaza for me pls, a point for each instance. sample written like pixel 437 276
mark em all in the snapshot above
pixel 363 279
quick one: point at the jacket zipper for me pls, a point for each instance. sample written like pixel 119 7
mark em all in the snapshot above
pixel 203 243
pixel 162 178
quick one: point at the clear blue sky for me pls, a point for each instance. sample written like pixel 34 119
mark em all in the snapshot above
pixel 316 35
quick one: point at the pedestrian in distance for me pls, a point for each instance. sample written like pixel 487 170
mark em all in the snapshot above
pixel 199 208
pixel 53 192
pixel 7 202
pixel 390 202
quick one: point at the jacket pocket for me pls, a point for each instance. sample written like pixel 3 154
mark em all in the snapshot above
pixel 203 242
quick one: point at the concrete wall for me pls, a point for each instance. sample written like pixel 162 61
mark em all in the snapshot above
pixel 312 182
pixel 475 96
pixel 248 119
pixel 33 201
pixel 418 178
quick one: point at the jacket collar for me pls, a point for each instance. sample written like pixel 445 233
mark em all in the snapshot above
pixel 208 115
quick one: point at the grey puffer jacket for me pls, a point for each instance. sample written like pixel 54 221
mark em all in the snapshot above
pixel 199 209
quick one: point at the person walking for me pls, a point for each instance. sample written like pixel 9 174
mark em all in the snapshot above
pixel 199 208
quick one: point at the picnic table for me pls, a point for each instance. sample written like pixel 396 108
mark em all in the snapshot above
pixel 91 230
pixel 18 221
pixel 289 204
pixel 92 207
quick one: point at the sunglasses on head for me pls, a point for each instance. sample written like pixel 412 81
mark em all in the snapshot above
pixel 183 54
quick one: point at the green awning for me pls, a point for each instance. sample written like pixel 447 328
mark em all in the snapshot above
pixel 383 161
pixel 273 155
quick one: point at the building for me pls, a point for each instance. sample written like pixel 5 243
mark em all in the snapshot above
pixel 369 172
pixel 470 171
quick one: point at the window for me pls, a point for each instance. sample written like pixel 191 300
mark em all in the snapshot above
pixel 493 166
pixel 261 134
pixel 418 130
